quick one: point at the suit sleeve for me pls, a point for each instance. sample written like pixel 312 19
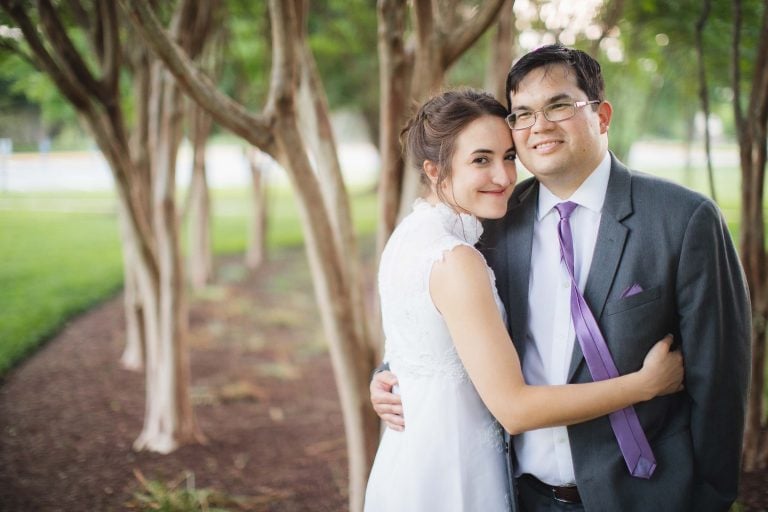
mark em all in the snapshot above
pixel 714 310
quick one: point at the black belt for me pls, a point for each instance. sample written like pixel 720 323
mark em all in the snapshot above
pixel 563 494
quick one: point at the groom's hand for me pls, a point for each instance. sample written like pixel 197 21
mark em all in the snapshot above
pixel 387 405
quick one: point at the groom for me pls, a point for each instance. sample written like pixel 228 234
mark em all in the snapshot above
pixel 649 258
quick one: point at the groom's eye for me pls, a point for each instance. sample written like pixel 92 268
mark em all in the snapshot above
pixel 521 116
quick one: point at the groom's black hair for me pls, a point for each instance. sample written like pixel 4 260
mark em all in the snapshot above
pixel 589 76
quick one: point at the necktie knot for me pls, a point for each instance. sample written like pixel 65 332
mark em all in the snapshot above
pixel 565 209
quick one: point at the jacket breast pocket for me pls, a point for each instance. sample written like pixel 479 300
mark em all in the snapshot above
pixel 617 306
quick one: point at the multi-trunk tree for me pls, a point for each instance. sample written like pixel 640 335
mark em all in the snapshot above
pixel 84 52
pixel 751 119
pixel 412 65
pixel 294 128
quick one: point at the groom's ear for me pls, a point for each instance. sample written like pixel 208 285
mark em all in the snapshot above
pixel 605 112
pixel 430 169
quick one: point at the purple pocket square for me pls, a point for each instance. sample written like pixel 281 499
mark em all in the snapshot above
pixel 632 290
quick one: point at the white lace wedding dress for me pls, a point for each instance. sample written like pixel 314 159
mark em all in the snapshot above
pixel 450 455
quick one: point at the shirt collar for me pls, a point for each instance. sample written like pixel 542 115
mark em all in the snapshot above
pixel 590 194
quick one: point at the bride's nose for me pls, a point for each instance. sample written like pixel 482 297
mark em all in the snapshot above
pixel 504 174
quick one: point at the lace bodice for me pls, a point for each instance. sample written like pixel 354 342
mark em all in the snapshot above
pixel 417 338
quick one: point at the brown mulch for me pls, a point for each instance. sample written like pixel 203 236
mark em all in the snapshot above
pixel 264 396
pixel 263 390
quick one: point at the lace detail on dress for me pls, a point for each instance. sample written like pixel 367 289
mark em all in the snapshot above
pixel 493 436
pixel 429 364
pixel 464 226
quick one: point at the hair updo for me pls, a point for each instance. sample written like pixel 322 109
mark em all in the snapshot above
pixel 431 134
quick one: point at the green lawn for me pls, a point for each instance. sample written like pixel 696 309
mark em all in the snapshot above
pixel 60 254
pixel 52 265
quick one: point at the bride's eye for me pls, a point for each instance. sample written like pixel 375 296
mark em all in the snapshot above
pixel 480 160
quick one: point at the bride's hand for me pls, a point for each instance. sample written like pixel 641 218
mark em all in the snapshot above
pixel 663 369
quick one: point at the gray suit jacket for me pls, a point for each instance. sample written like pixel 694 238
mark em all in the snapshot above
pixel 674 243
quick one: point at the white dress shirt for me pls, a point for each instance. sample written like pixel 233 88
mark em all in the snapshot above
pixel 550 337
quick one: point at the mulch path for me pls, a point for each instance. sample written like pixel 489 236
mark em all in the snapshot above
pixel 264 396
pixel 263 390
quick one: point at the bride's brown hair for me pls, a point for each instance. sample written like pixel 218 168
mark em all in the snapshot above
pixel 431 133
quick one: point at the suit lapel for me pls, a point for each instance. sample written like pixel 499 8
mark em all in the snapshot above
pixel 519 241
pixel 609 248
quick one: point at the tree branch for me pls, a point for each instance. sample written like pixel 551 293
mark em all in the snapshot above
pixel 256 129
pixel 81 16
pixel 458 42
pixel 759 96
pixel 738 113
pixel 283 78
pixel 110 44
pixel 62 45
pixel 704 92
pixel 423 22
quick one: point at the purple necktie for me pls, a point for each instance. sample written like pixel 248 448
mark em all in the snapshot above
pixel 626 426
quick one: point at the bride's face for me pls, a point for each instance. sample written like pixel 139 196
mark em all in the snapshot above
pixel 483 171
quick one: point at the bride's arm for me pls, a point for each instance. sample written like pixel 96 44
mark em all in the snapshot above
pixel 461 290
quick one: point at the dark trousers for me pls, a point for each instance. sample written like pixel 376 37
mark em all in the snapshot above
pixel 532 499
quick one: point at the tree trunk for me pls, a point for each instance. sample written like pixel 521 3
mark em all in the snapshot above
pixel 394 70
pixel 351 356
pixel 754 259
pixel 256 251
pixel 133 353
pixel 169 419
pixel 149 217
pixel 502 50
pixel 427 78
pixel 409 72
pixel 704 93
pixel 752 130
pixel 690 133
pixel 276 132
pixel 199 258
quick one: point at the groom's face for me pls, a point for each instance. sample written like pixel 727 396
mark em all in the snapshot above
pixel 560 154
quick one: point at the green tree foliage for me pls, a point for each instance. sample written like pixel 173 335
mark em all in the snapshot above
pixel 655 86
pixel 30 105
pixel 343 39
pixel 244 51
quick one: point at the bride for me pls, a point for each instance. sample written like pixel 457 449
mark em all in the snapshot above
pixel 446 340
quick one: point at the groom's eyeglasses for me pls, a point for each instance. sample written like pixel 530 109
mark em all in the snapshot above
pixel 556 112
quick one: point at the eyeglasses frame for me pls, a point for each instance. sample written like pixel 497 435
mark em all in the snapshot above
pixel 576 104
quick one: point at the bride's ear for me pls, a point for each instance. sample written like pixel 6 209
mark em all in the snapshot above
pixel 430 169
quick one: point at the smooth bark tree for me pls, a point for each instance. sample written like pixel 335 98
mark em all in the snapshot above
pixel 200 253
pixel 136 61
pixel 144 182
pixel 256 250
pixel 706 7
pixel 197 210
pixel 501 52
pixel 411 67
pixel 281 130
pixel 168 408
pixel 751 118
